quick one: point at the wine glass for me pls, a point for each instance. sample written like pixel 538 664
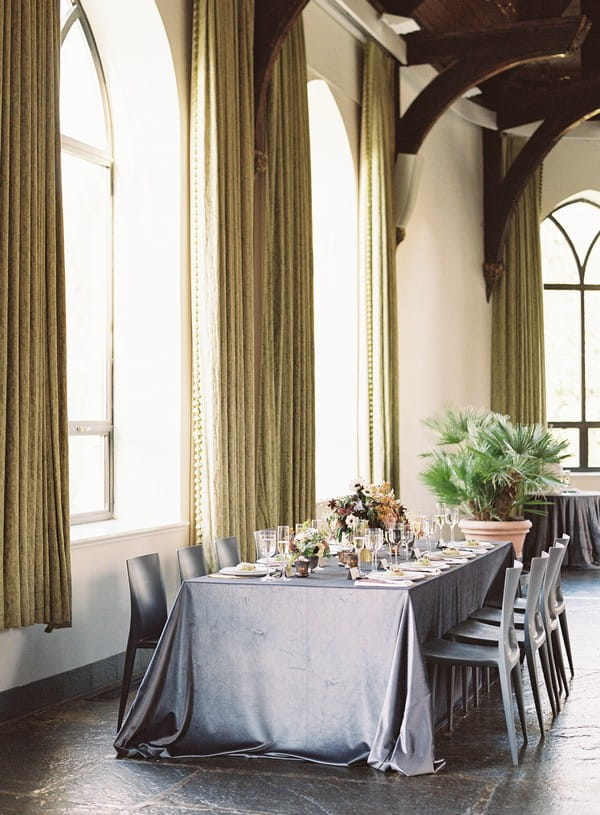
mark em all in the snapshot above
pixel 373 543
pixel 417 528
pixel 428 527
pixel 440 519
pixel 451 520
pixel 283 548
pixel 268 541
pixel 358 541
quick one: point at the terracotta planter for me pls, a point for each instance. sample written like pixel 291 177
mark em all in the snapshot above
pixel 514 531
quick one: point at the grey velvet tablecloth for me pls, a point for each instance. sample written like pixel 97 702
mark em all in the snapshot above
pixel 575 513
pixel 316 669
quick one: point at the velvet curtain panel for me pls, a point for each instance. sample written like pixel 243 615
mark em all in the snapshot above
pixel 286 419
pixel 379 453
pixel 518 367
pixel 35 575
pixel 222 189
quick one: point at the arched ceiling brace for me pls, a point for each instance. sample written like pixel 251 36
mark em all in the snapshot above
pixel 501 195
pixel 272 22
pixel 491 53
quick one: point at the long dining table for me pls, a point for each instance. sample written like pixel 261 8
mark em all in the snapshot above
pixel 322 668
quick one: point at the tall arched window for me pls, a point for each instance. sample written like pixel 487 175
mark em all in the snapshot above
pixel 571 273
pixel 87 162
pixel 334 206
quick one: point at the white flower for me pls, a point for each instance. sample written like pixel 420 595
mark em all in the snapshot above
pixel 351 521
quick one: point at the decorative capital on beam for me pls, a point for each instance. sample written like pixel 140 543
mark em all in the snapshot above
pixel 492 273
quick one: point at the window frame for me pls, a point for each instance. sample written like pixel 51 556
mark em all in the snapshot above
pixel 103 429
pixel 584 425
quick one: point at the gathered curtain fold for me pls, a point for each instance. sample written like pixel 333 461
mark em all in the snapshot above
pixel 379 451
pixel 35 568
pixel 286 403
pixel 518 365
pixel 222 284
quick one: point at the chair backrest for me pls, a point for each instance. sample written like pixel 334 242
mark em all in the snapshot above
pixel 148 597
pixel 508 637
pixel 534 624
pixel 558 598
pixel 548 604
pixel 191 562
pixel 228 552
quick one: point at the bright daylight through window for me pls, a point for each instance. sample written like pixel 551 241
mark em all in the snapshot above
pixel 334 205
pixel 571 273
pixel 87 203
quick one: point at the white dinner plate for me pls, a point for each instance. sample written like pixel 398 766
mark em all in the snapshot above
pixel 481 545
pixel 417 567
pixel 410 574
pixel 259 571
pixel 462 553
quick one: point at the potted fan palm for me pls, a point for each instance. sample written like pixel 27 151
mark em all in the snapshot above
pixel 491 469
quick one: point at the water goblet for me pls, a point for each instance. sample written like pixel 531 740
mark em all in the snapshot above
pixel 268 544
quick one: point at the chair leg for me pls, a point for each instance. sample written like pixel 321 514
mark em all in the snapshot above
pixel 476 686
pixel 488 679
pixel 505 687
pixel 564 628
pixel 450 674
pixel 530 657
pixel 518 686
pixel 553 671
pixel 127 674
pixel 547 671
pixel 465 689
pixel 558 658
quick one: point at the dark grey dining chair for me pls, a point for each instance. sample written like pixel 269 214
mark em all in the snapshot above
pixel 148 615
pixel 228 552
pixel 560 606
pixel 191 562
pixel 505 657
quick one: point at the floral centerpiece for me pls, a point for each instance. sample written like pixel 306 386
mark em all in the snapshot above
pixel 309 542
pixel 376 504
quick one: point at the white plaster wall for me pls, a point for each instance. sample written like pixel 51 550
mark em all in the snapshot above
pixel 445 321
pixel 148 74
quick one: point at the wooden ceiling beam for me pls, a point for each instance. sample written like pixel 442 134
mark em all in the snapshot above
pixel 272 22
pixel 502 195
pixel 538 38
pixel 451 83
pixel 515 109
pixel 401 8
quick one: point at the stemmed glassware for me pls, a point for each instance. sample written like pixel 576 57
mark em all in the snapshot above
pixel 358 542
pixel 268 543
pixel 374 541
pixel 452 520
pixel 440 519
pixel 283 548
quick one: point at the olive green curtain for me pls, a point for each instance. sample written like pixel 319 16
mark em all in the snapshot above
pixel 379 452
pixel 286 419
pixel 518 372
pixel 222 189
pixel 35 574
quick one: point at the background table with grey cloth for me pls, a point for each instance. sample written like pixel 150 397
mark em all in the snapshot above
pixel 575 513
pixel 315 668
